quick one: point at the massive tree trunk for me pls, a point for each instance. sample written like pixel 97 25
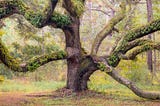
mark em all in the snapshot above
pixel 73 48
pixel 80 67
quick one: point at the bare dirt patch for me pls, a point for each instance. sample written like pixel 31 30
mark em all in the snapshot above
pixel 13 99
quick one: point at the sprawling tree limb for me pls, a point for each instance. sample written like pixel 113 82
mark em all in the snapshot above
pixel 107 30
pixel 36 62
pixel 139 92
pixel 101 65
pixel 138 42
pixel 137 33
pixel 140 32
pixel 32 64
pixel 37 18
pixel 130 55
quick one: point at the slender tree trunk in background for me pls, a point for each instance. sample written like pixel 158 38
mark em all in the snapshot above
pixel 43 42
pixel 155 57
pixel 158 59
pixel 150 17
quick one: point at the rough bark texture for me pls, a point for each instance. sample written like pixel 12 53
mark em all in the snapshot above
pixel 73 48
pixel 87 68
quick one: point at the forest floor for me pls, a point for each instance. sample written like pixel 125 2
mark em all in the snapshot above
pixel 45 93
pixel 59 98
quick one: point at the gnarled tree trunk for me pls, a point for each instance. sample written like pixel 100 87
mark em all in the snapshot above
pixel 73 48
pixel 80 67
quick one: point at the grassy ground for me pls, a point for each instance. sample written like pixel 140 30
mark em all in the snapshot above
pixel 23 93
pixel 29 87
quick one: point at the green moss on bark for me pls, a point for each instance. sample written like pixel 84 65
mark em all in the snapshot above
pixel 78 7
pixel 36 18
pixel 41 60
pixel 7 59
pixel 60 19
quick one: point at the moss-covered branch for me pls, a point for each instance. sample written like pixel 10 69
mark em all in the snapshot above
pixel 74 7
pixel 142 31
pixel 36 62
pixel 36 16
pixel 59 20
pixel 130 55
pixel 130 37
pixel 107 30
pixel 138 42
pixel 32 64
pixel 7 59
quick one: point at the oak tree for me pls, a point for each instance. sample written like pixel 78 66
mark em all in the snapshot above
pixel 80 65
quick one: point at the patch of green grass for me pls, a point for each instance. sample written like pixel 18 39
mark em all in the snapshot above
pixel 18 86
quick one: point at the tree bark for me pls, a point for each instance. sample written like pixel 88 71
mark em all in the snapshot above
pixel 73 48
pixel 88 67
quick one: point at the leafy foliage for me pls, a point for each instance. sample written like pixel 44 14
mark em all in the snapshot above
pixel 60 20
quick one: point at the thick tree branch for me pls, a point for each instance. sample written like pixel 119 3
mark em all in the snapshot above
pixel 107 30
pixel 139 92
pixel 114 58
pixel 130 55
pixel 36 62
pixel 135 43
pixel 74 7
pixel 114 74
pixel 58 20
pixel 37 18
pixel 32 64
pixel 141 31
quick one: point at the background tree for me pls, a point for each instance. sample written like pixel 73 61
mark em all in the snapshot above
pixel 150 18
pixel 80 65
